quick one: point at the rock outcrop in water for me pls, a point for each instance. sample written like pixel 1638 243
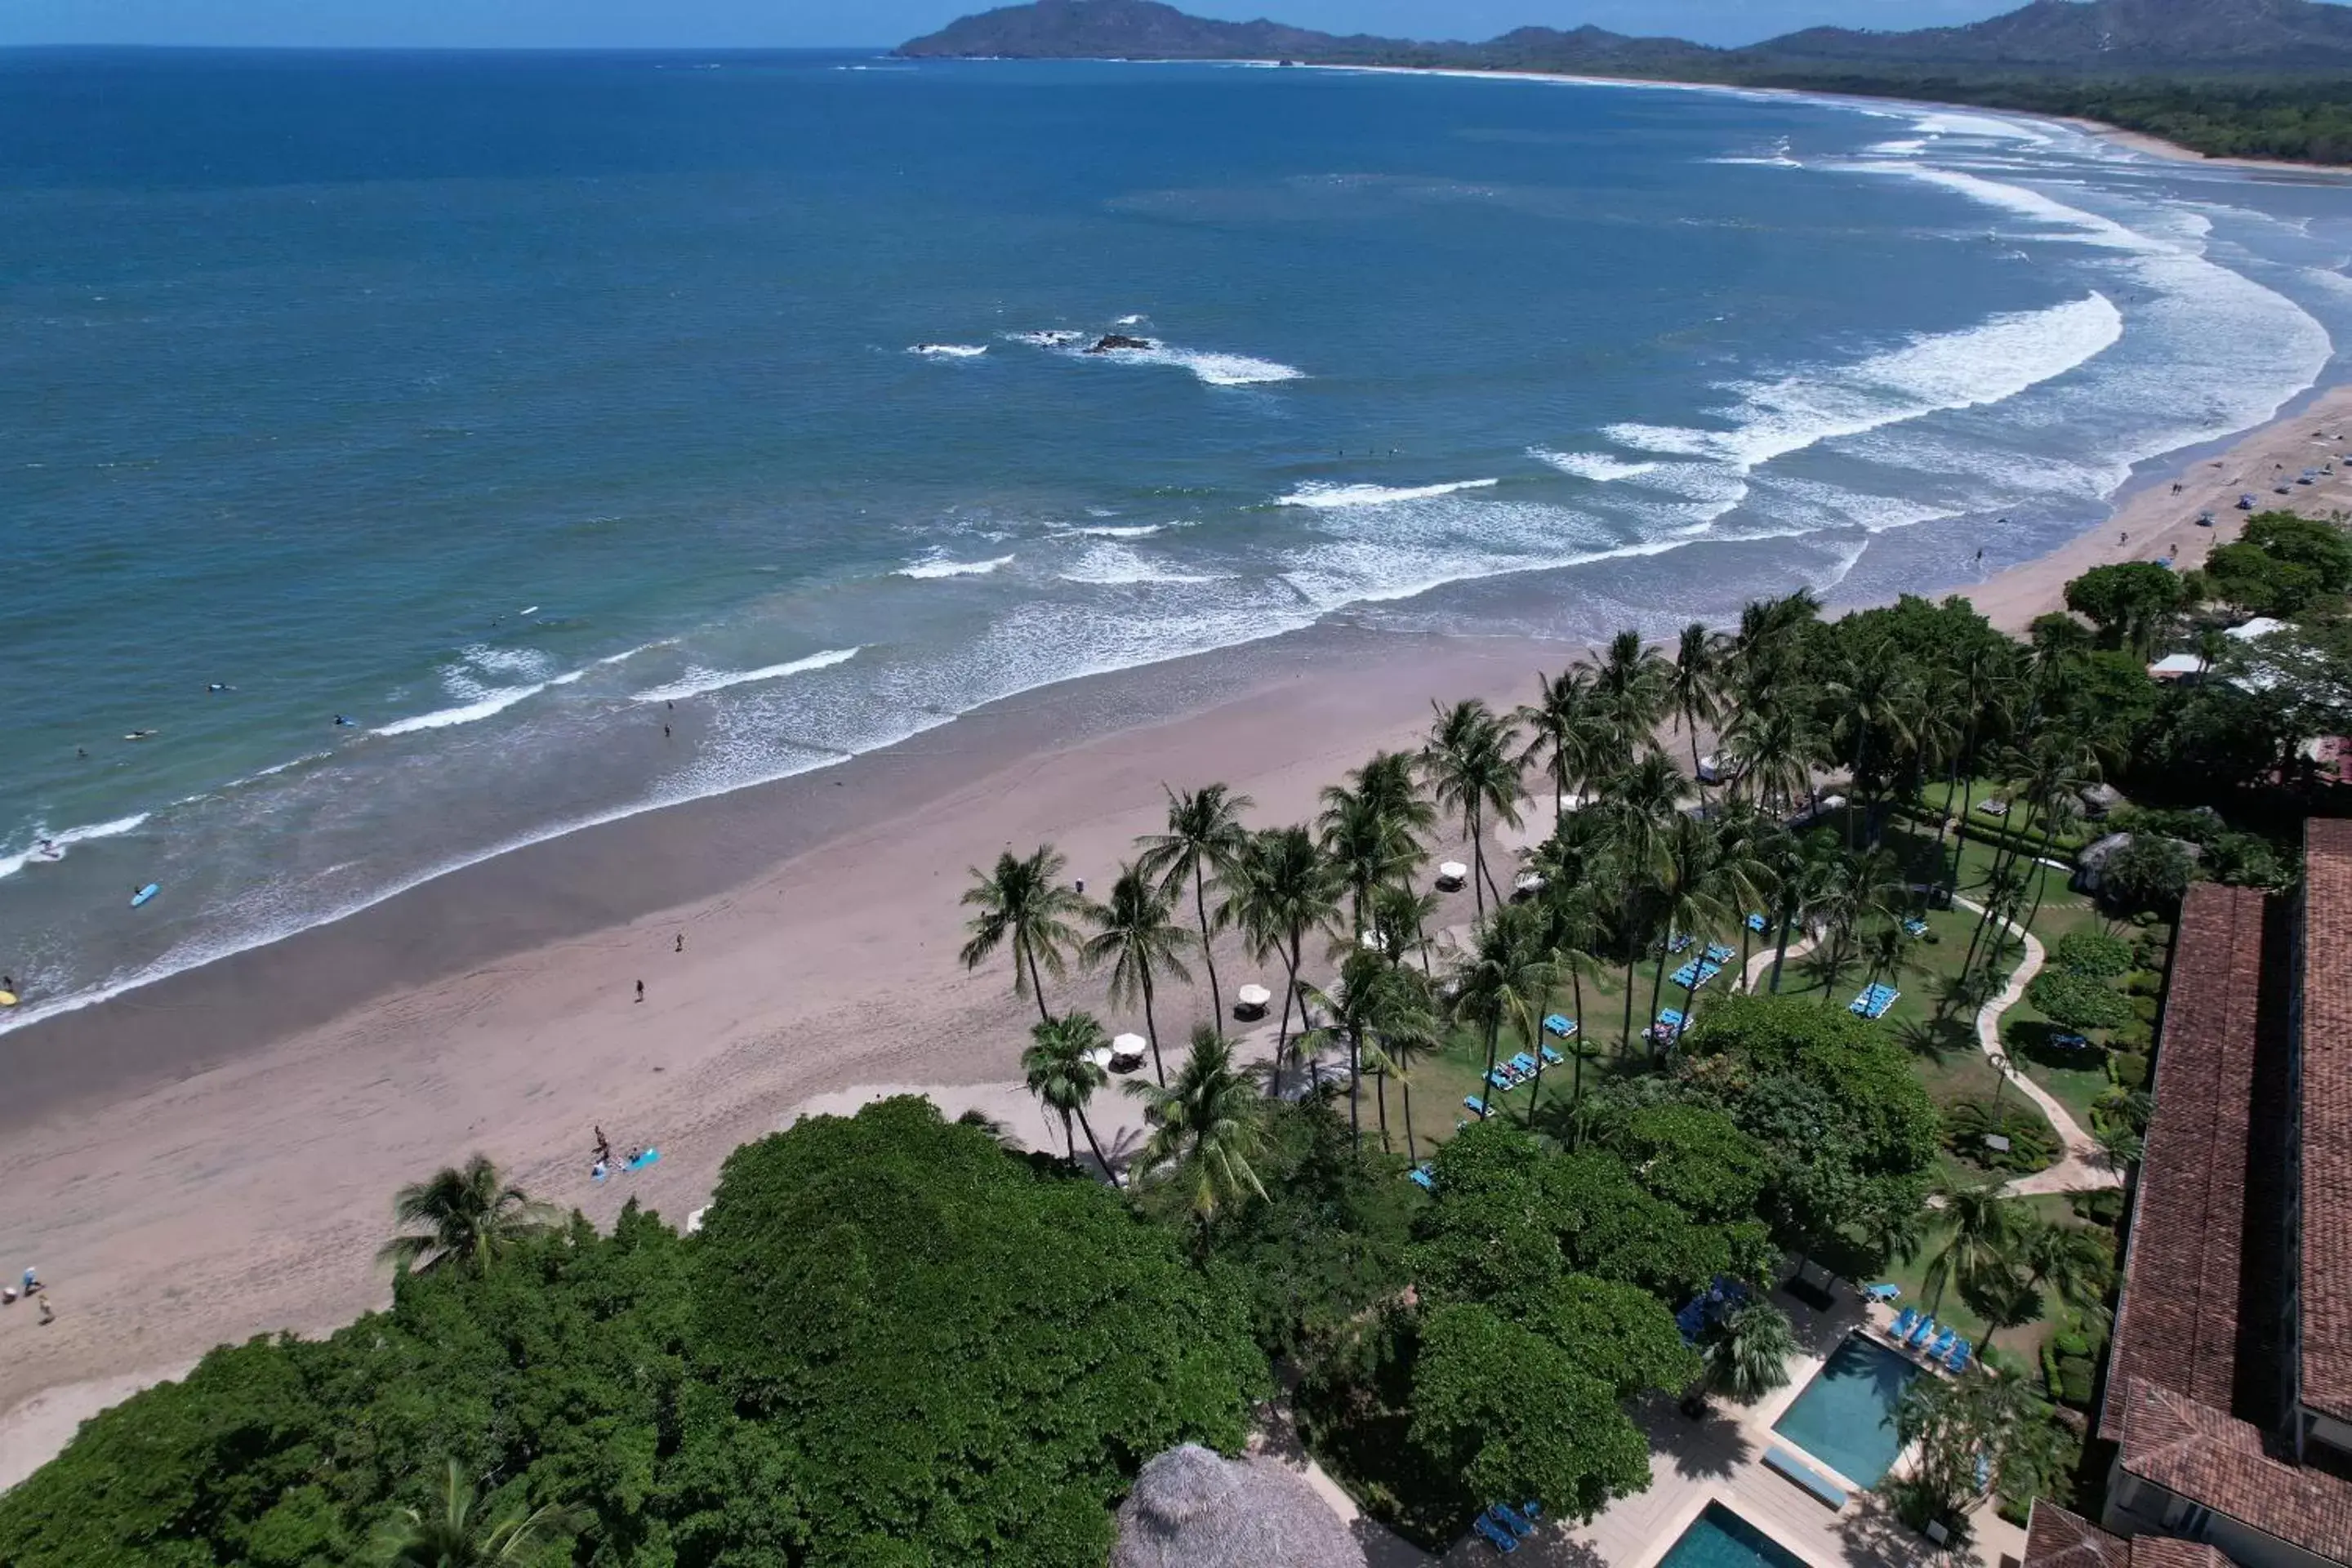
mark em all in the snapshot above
pixel 1112 343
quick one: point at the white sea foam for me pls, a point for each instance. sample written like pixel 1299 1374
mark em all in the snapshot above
pixel 697 681
pixel 64 839
pixel 1331 498
pixel 1117 565
pixel 1051 339
pixel 1598 466
pixel 950 351
pixel 1133 531
pixel 930 569
pixel 1131 320
pixel 627 654
pixel 1986 364
pixel 1216 369
pixel 480 702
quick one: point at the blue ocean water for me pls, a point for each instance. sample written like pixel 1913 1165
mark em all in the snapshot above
pixel 514 407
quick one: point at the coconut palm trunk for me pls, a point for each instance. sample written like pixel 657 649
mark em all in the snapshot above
pixel 1208 953
pixel 1036 984
pixel 1151 1029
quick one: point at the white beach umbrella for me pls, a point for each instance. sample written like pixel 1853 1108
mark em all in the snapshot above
pixel 1451 873
pixel 1126 1051
pixel 1100 1056
pixel 1254 997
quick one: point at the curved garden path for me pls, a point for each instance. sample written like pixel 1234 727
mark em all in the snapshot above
pixel 2084 1166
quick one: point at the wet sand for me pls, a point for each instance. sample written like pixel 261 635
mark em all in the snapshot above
pixel 213 1156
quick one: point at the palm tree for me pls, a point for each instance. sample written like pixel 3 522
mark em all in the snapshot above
pixel 1063 1066
pixel 1695 684
pixel 1472 772
pixel 1744 1352
pixel 1631 686
pixel 1373 1003
pixel 1638 811
pixel 1771 753
pixel 1400 920
pixel 2071 1261
pixel 1984 1227
pixel 1506 978
pixel 1366 848
pixel 1690 893
pixel 1406 1031
pixel 1282 888
pixel 1807 883
pixel 451 1536
pixel 468 1218
pixel 1875 699
pixel 1203 842
pixel 1887 952
pixel 1025 905
pixel 1567 732
pixel 1206 1128
pixel 1137 934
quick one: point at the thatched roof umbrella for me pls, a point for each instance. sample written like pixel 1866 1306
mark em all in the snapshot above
pixel 1191 1510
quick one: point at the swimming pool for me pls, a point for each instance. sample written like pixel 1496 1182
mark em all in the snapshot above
pixel 1719 1538
pixel 1845 1416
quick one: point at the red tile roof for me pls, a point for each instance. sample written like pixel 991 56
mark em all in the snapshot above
pixel 2056 1539
pixel 2160 1552
pixel 2326 1096
pixel 2223 1464
pixel 2177 1324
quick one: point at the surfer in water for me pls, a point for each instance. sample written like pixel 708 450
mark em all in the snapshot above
pixel 344 721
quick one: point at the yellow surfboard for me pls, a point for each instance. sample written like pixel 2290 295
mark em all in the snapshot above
pixel 7 999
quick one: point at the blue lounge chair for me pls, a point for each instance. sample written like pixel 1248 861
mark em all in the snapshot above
pixel 1498 1080
pixel 1756 923
pixel 1915 927
pixel 1959 1360
pixel 2070 1042
pixel 1920 1335
pixel 1682 943
pixel 1943 1346
pixel 1883 1292
pixel 1501 1539
pixel 1552 1057
pixel 1421 1178
pixel 1904 1321
pixel 1512 1520
pixel 1687 976
pixel 1474 1105
pixel 1718 954
pixel 1559 1023
pixel 1524 1062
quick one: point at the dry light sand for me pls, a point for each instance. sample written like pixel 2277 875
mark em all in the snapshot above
pixel 214 1157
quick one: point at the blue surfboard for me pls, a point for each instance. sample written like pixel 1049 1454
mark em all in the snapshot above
pixel 145 894
pixel 642 1161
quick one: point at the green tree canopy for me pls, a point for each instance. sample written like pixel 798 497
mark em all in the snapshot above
pixel 956 1345
pixel 2128 602
pixel 1516 1417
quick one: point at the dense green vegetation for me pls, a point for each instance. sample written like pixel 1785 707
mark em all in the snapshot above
pixel 892 1330
pixel 898 1341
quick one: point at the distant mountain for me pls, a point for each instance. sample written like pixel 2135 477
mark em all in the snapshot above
pixel 2170 36
pixel 2074 37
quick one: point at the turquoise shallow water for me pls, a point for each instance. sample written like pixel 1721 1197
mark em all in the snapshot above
pixel 1719 1538
pixel 1845 1415
pixel 517 407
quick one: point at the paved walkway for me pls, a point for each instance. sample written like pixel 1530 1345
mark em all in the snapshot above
pixel 2084 1167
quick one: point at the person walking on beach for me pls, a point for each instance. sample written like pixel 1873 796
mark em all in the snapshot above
pixel 604 1147
pixel 48 1313
pixel 641 990
pixel 681 941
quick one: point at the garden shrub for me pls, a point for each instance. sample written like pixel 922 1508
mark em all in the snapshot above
pixel 2129 1069
pixel 2077 1003
pixel 2143 983
pixel 2093 955
pixel 2032 1146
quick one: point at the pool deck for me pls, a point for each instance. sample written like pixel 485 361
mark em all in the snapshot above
pixel 1720 1458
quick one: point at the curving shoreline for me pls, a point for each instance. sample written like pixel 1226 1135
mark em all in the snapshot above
pixel 210 1157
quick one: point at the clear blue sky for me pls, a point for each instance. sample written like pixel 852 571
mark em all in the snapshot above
pixel 752 24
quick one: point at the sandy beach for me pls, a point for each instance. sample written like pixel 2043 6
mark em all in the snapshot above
pixel 213 1156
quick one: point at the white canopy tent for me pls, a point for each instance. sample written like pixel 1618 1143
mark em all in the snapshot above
pixel 1127 1052
pixel 1452 874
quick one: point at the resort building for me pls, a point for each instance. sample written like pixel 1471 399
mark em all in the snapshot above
pixel 2227 1405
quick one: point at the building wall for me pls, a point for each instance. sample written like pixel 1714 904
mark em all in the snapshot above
pixel 2136 1506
